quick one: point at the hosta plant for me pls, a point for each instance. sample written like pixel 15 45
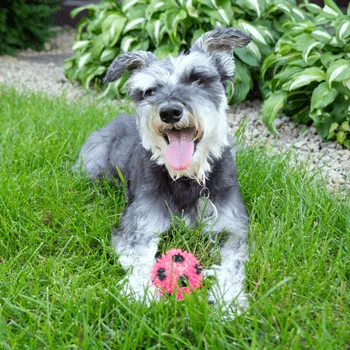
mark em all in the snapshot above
pixel 308 75
pixel 169 27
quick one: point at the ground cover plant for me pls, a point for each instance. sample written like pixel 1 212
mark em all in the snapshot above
pixel 58 274
pixel 308 74
pixel 169 27
pixel 26 24
pixel 299 52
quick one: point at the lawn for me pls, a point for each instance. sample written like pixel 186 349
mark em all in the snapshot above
pixel 58 273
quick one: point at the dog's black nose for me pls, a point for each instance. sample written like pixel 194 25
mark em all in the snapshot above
pixel 170 113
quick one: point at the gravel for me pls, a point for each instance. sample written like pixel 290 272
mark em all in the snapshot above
pixel 44 72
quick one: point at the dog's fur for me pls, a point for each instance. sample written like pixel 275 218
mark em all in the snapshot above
pixel 195 83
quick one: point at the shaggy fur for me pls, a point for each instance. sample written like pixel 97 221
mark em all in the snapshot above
pixel 192 87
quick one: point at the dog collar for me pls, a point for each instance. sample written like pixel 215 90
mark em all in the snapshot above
pixel 207 212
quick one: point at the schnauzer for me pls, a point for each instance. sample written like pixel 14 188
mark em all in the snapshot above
pixel 175 152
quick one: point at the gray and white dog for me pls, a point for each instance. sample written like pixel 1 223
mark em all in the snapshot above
pixel 174 149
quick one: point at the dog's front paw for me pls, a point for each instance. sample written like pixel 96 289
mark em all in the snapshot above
pixel 139 288
pixel 228 293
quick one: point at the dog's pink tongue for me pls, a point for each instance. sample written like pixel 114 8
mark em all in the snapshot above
pixel 180 150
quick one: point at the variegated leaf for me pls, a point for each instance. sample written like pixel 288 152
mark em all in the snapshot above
pixel 337 71
pixel 270 108
pixel 303 78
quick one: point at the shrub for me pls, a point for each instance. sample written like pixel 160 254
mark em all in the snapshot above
pixel 25 24
pixel 167 27
pixel 308 74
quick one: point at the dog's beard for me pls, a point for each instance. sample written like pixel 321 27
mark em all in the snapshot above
pixel 186 147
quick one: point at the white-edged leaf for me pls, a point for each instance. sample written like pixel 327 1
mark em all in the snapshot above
pixel 128 4
pixel 307 50
pixel 192 11
pixel 337 71
pixel 253 31
pixel 330 11
pixel 304 78
pixel 322 35
pixel 108 54
pixel 270 108
pixel 126 43
pixel 82 44
pixel 344 30
pixel 82 8
pixel 255 5
pixel 298 12
pixel 133 24
pixel 84 59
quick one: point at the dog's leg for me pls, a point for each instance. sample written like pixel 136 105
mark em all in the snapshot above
pixel 136 242
pixel 230 273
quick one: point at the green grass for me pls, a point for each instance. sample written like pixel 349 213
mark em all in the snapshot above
pixel 58 274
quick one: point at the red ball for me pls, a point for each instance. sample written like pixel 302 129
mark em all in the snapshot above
pixel 178 271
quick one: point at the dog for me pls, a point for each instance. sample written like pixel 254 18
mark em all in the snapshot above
pixel 174 153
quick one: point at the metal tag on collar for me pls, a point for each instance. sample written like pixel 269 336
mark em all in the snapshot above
pixel 206 209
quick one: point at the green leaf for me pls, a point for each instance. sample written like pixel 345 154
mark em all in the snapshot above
pixel 321 35
pixel 345 126
pixel 328 57
pixel 94 73
pixel 84 59
pixel 163 51
pixel 270 108
pixel 343 30
pixel 197 34
pixel 333 127
pixel 108 54
pixel 112 27
pixel 338 71
pixel 97 46
pixel 136 23
pixel 251 29
pixel 331 7
pixel 93 7
pixel 285 74
pixel 156 6
pixel 313 8
pixel 156 31
pixel 171 20
pixel 341 136
pixel 323 96
pixel 304 78
pixel 80 45
pixel 191 10
pixel 249 54
pixel 242 82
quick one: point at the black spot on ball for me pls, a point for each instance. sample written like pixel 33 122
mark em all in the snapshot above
pixel 198 269
pixel 161 273
pixel 183 281
pixel 178 258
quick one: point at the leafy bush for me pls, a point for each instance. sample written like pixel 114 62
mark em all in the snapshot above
pixel 308 74
pixel 25 24
pixel 167 27
pixel 299 56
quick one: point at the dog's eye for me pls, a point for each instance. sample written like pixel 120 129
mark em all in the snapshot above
pixel 195 79
pixel 149 92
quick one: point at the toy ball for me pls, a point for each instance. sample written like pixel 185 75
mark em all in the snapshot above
pixel 177 271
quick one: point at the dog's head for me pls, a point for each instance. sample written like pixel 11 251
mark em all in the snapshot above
pixel 181 102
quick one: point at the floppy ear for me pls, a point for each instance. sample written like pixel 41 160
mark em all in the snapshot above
pixel 128 61
pixel 219 44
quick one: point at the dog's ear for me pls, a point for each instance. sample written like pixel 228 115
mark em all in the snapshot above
pixel 128 61
pixel 219 44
